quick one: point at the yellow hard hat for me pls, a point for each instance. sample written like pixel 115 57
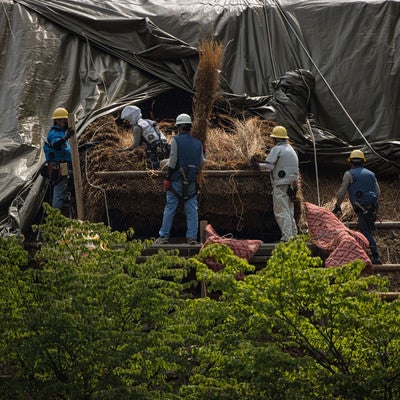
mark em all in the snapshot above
pixel 279 132
pixel 60 113
pixel 356 154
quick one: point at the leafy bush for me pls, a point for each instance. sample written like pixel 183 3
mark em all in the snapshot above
pixel 294 330
pixel 94 321
pixel 89 320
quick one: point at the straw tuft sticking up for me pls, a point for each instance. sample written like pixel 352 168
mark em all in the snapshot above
pixel 206 86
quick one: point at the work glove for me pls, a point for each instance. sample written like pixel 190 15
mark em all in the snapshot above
pixel 156 164
pixel 254 163
pixel 337 210
pixel 167 184
pixel 70 132
pixel 59 143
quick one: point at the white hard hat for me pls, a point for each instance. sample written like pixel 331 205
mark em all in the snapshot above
pixel 131 114
pixel 183 119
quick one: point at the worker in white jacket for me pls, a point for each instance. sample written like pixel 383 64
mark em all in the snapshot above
pixel 146 134
pixel 283 163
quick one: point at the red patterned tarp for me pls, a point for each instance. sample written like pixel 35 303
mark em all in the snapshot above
pixel 244 248
pixel 327 232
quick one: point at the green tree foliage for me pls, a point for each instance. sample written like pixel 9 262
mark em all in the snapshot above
pixel 91 320
pixel 295 330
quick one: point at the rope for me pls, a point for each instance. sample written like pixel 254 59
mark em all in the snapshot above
pixel 315 161
pixel 235 191
pixel 269 36
pixel 283 13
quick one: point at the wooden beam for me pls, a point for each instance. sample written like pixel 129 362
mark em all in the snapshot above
pixel 378 225
pixel 203 224
pixel 389 295
pixel 386 268
pixel 76 168
pixel 157 173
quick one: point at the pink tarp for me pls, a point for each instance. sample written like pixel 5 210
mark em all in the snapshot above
pixel 327 232
pixel 244 248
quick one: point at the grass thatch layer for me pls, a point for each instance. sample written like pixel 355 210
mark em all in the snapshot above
pixel 235 204
pixel 241 205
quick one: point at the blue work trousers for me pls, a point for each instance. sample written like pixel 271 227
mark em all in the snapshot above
pixel 61 190
pixel 190 207
pixel 366 227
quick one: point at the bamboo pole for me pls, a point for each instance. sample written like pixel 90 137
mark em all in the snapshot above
pixel 76 168
pixel 389 295
pixel 207 173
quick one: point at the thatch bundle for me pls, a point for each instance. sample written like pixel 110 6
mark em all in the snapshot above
pixel 206 87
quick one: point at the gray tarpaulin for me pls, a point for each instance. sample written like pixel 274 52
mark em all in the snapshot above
pixel 94 56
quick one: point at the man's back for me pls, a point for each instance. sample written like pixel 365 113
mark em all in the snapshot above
pixel 363 188
pixel 189 154
pixel 286 164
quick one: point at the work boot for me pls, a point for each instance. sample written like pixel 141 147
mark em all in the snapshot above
pixel 375 259
pixel 161 240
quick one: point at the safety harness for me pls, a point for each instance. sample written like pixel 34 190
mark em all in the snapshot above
pixel 154 140
pixel 186 196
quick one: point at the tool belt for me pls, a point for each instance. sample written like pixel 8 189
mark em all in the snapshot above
pixel 55 171
pixel 292 193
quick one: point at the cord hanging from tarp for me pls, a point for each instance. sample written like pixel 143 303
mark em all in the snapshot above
pixel 283 13
pixel 269 36
pixel 315 160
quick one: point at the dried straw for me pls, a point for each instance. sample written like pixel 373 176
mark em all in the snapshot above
pixel 206 86
pixel 233 147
